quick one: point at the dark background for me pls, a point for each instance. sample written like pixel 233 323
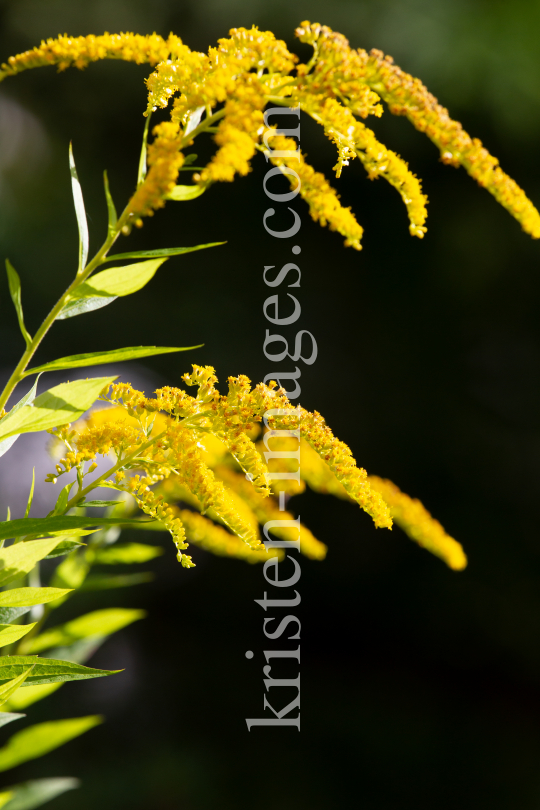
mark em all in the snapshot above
pixel 420 686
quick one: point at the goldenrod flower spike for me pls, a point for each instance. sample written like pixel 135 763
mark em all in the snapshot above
pixel 78 52
pixel 410 514
pixel 204 533
pixel 343 68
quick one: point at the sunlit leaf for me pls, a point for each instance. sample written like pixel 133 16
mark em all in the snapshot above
pixel 113 356
pixel 111 210
pixel 31 694
pixel 141 174
pixel 25 597
pixel 47 670
pixel 155 254
pixel 120 280
pixel 35 741
pixel 79 211
pixel 29 795
pixel 13 632
pixel 182 193
pixel 31 494
pixel 16 560
pixel 62 500
pixel 127 553
pixel 64 547
pixel 97 503
pixel 61 404
pixel 70 574
pixel 15 292
pixel 59 524
pixel 102 582
pixel 9 687
pixel 26 400
pixel 9 614
pixel 99 622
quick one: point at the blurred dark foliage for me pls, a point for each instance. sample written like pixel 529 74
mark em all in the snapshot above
pixel 420 687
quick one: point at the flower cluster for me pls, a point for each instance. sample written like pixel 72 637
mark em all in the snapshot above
pixel 232 84
pixel 193 463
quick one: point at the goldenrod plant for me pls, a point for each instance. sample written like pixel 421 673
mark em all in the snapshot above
pixel 199 467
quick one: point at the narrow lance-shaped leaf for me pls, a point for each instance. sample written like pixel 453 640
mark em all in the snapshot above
pixel 37 740
pixel 78 306
pixel 15 292
pixel 98 623
pixel 113 356
pixel 111 210
pixel 31 495
pixel 155 254
pixel 142 159
pixel 79 211
pixel 24 597
pixel 62 500
pixel 13 632
pixel 47 670
pixel 61 404
pixel 126 554
pixel 26 400
pixel 9 687
pixel 9 717
pixel 17 560
pixel 183 193
pixel 59 523
pixel 36 792
pixel 24 698
pixel 120 280
pixel 105 582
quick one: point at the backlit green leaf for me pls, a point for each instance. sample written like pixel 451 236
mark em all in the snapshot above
pixel 35 741
pixel 61 404
pixel 15 292
pixel 9 614
pixel 99 622
pixel 60 524
pixel 31 694
pixel 20 597
pixel 79 211
pixel 9 687
pixel 155 254
pixel 102 582
pixel 120 280
pixel 185 192
pixel 13 632
pixel 26 400
pixel 111 210
pixel 47 670
pixel 29 795
pixel 64 547
pixel 113 356
pixel 16 560
pixel 127 553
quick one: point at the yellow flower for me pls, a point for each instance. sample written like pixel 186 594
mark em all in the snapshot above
pixel 410 514
pixel 205 534
pixel 66 51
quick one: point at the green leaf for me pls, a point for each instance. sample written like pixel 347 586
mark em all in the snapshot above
pixel 26 400
pixel 31 694
pixel 16 560
pixel 79 211
pixel 15 292
pixel 141 174
pixel 62 500
pixel 31 495
pixel 111 210
pixel 78 306
pixel 61 404
pixel 113 356
pixel 8 688
pixel 120 280
pixel 102 582
pixel 13 632
pixel 35 741
pixel 9 717
pixel 17 597
pixel 127 553
pixel 98 623
pixel 182 193
pixel 9 614
pixel 155 254
pixel 84 504
pixel 59 524
pixel 189 159
pixel 70 573
pixel 47 670
pixel 65 547
pixel 29 795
